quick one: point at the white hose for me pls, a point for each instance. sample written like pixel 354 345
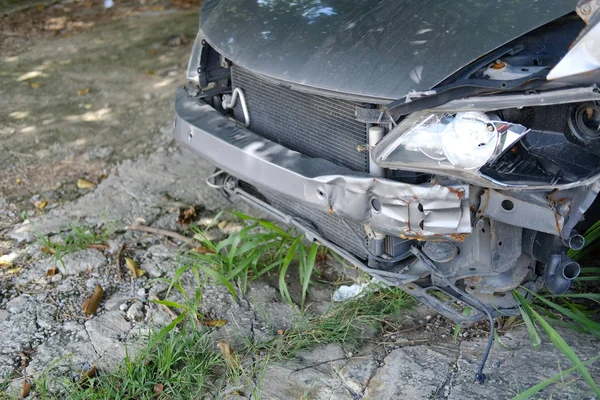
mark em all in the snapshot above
pixel 230 100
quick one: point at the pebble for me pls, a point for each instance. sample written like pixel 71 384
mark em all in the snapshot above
pixel 123 307
pixel 141 292
pixel 496 364
pixel 56 278
pixel 136 312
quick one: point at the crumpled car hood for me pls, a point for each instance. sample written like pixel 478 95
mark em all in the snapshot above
pixel 380 49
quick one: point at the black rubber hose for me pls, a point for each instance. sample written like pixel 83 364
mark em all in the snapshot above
pixel 479 376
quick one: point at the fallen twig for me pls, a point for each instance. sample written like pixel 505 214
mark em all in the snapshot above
pixel 163 232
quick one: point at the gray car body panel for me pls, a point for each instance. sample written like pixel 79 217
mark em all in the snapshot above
pixel 365 48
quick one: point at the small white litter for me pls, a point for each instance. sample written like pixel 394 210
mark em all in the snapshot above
pixel 344 292
pixel 108 3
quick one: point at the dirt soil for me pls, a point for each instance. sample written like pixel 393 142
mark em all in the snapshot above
pixel 87 93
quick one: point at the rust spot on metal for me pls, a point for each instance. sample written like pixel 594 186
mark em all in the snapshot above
pixel 460 192
pixel 459 237
pixel 474 279
pixel 485 200
pixel 415 197
pixel 499 64
pixel 374 179
pixel 330 210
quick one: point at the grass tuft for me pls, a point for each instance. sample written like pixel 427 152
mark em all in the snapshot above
pixel 347 323
pixel 260 247
pixel 532 317
pixel 78 238
pixel 180 366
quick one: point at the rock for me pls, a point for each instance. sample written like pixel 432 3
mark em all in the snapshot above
pixel 410 373
pixel 141 292
pixel 357 372
pixel 136 312
pixel 98 153
pixel 81 261
pixel 115 302
pixel 123 307
pixel 104 332
pixel 290 381
pixel 56 278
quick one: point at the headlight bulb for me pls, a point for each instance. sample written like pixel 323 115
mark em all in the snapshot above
pixel 470 140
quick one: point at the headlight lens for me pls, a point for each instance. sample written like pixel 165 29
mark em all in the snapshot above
pixel 443 142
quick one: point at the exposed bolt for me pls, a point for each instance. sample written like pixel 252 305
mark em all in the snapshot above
pixel 191 135
pixel 479 224
pixel 585 8
pixel 490 127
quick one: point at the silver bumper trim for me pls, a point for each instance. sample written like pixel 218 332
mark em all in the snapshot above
pixel 389 207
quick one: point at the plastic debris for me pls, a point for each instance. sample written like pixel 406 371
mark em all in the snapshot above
pixel 344 292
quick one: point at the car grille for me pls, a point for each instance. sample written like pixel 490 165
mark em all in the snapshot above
pixel 313 125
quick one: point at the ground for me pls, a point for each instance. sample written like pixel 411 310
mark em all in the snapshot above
pixel 89 96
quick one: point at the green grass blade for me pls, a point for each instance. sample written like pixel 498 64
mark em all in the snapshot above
pixel 307 270
pixel 559 342
pixel 219 278
pixel 534 336
pixel 289 257
pixel 526 395
pixel 586 271
pixel 592 326
pixel 588 278
pixel 169 303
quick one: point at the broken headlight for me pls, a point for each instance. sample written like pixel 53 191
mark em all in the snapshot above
pixel 449 144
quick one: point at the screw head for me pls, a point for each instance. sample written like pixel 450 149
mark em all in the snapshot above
pixel 585 8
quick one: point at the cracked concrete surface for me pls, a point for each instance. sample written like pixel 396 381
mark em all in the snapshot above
pixel 147 181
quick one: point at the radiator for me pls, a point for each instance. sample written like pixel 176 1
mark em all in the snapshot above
pixel 313 125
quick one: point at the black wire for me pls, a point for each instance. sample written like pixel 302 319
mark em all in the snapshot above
pixel 479 376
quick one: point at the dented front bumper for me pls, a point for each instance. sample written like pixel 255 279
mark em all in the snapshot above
pixel 385 206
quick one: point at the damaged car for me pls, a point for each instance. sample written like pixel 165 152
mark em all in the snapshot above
pixel 449 148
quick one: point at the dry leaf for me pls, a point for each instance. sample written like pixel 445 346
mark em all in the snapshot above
pixel 84 381
pixel 35 85
pixel 13 271
pixel 5 263
pixel 25 388
pixel 215 323
pixel 51 271
pixel 84 184
pixel 150 73
pixel 48 250
pixel 280 332
pixel 227 353
pixel 91 305
pixel 158 388
pixel 132 266
pixel 83 92
pixel 203 250
pixel 222 225
pixel 187 216
pixel 157 8
pixel 40 204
